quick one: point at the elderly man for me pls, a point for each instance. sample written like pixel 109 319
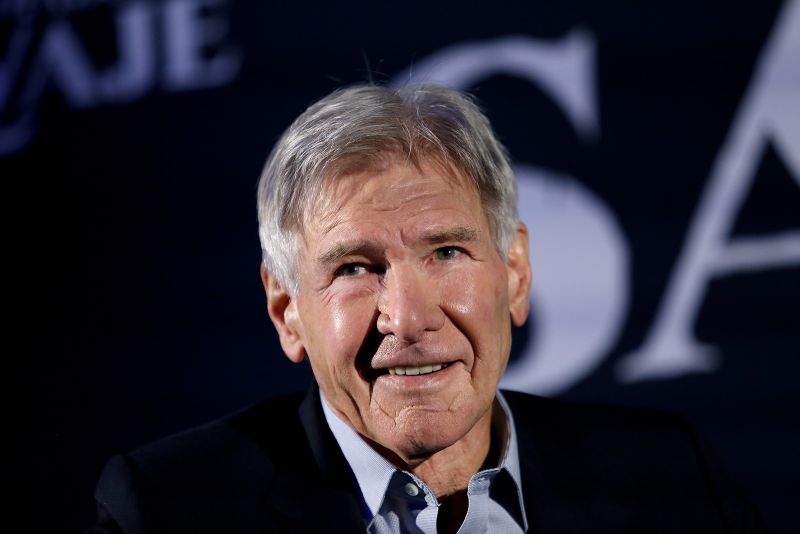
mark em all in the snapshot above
pixel 395 261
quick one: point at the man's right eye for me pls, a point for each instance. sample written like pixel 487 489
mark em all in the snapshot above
pixel 351 269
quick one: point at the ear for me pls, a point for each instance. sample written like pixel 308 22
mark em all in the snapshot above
pixel 519 276
pixel 282 309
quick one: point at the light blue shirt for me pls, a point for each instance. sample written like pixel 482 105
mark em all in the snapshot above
pixel 395 501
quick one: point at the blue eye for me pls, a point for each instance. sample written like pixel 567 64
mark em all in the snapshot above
pixel 446 253
pixel 351 269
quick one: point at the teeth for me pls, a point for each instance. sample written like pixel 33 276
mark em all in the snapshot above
pixel 424 370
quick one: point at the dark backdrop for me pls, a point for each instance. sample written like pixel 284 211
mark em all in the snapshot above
pixel 132 135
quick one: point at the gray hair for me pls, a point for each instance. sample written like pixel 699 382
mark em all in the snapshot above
pixel 364 123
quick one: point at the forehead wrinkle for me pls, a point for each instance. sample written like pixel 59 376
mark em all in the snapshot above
pixel 328 212
pixel 346 183
pixel 401 193
pixel 398 200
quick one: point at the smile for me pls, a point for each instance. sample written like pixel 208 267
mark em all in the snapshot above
pixel 422 370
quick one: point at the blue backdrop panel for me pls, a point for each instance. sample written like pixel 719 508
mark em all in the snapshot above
pixel 657 147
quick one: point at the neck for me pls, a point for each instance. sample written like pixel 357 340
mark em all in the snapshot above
pixel 447 472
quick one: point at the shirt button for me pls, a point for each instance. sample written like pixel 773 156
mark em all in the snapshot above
pixel 411 489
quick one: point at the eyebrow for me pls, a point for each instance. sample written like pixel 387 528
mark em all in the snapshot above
pixel 457 234
pixel 363 247
pixel 348 248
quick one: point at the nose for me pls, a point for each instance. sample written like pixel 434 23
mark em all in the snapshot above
pixel 409 305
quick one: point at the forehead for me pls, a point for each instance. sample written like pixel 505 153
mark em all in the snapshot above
pixel 392 190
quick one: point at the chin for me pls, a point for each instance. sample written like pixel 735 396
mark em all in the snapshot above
pixel 425 435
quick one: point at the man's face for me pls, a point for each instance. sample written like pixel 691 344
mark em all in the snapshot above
pixel 405 304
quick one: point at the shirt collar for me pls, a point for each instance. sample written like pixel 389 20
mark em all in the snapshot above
pixel 510 456
pixel 373 472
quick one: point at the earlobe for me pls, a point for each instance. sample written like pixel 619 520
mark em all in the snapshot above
pixel 519 277
pixel 282 309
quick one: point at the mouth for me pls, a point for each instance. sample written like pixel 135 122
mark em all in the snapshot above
pixel 407 370
pixel 380 356
pixel 421 370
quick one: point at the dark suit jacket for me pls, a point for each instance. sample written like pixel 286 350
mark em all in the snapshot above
pixel 277 468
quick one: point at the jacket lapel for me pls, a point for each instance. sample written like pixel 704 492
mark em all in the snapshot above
pixel 314 489
pixel 548 505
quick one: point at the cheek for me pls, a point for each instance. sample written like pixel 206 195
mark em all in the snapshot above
pixel 475 298
pixel 477 301
pixel 340 323
pixel 340 329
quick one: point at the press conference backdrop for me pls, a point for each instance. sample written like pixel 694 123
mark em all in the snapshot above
pixel 656 144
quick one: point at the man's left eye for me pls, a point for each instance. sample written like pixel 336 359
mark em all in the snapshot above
pixel 446 253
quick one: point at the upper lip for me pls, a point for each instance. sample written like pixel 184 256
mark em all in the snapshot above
pixel 382 368
pixel 408 357
pixel 390 353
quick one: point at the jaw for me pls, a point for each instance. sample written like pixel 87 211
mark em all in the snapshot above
pixel 417 416
pixel 431 445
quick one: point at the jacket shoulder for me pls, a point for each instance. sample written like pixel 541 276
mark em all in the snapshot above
pixel 573 420
pixel 612 444
pixel 262 434
pixel 599 468
pixel 213 476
